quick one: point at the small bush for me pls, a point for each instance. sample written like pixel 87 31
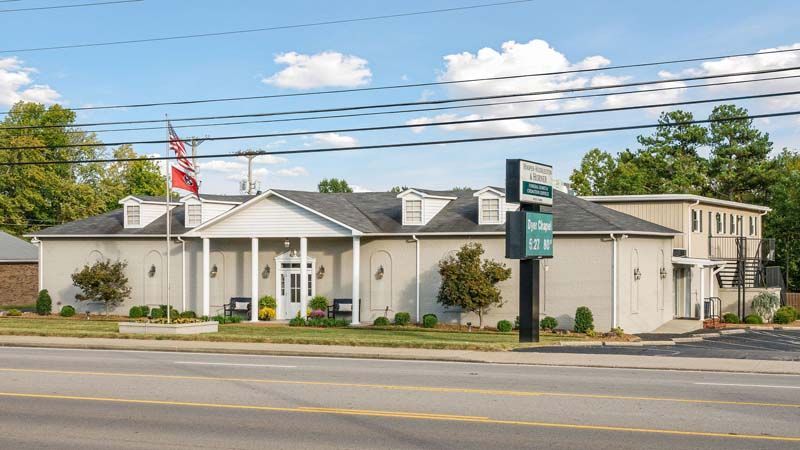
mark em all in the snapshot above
pixel 765 304
pixel 504 326
pixel 326 323
pixel 730 318
pixel 13 312
pixel 266 313
pixel 145 310
pixel 135 312
pixel 784 315
pixel 67 311
pixel 318 302
pixel 297 322
pixel 429 321
pixel 618 331
pixel 267 301
pixel 44 303
pixel 548 323
pixel 753 319
pixel 584 320
pixel 402 318
pixel 318 314
pixel 188 315
pixel 172 312
pixel 156 313
pixel 381 322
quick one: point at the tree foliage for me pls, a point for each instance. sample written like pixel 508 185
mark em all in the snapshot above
pixel 469 283
pixel 103 281
pixel 333 185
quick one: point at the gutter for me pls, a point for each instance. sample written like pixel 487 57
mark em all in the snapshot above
pixel 183 273
pixel 416 240
pixel 613 281
pixel 40 266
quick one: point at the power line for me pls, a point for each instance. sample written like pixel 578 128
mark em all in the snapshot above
pixel 257 30
pixel 426 102
pixel 75 5
pixel 432 83
pixel 407 144
pixel 438 108
pixel 422 125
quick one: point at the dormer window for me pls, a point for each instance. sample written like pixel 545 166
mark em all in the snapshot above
pixel 194 215
pixel 413 212
pixel 490 210
pixel 134 215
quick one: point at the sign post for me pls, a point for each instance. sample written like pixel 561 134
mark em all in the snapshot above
pixel 529 235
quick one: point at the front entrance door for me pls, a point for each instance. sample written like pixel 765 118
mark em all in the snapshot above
pixel 683 292
pixel 290 288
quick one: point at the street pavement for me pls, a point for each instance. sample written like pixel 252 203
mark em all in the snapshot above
pixel 92 399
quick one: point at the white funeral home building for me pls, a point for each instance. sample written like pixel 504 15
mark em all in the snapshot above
pixel 380 248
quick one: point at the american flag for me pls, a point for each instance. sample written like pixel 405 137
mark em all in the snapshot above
pixel 177 145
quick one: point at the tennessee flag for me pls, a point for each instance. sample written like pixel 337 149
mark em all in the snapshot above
pixel 184 180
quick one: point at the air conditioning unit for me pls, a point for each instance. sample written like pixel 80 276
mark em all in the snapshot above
pixel 678 252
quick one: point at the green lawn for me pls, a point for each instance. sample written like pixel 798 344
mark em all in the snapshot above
pixel 411 337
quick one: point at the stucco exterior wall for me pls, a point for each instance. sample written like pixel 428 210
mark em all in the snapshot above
pixel 648 302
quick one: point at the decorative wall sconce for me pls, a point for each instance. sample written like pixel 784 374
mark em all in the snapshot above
pixel 662 273
pixel 379 273
pixel 637 274
pixel 321 271
pixel 152 272
pixel 265 272
pixel 214 271
pixel 287 243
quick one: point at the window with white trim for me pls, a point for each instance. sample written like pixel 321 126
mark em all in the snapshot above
pixel 490 210
pixel 134 215
pixel 720 228
pixel 753 225
pixel 194 215
pixel 697 221
pixel 413 212
pixel 732 224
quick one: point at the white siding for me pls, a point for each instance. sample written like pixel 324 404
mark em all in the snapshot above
pixel 431 207
pixel 148 212
pixel 274 217
pixel 211 210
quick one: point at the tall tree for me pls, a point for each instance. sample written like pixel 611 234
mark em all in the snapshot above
pixel 333 185
pixel 139 177
pixel 782 222
pixel 594 173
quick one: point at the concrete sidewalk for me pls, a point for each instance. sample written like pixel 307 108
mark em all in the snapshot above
pixel 502 357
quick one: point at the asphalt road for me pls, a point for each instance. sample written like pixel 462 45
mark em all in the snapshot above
pixel 91 399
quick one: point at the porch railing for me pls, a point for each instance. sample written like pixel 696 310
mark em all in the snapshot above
pixel 732 248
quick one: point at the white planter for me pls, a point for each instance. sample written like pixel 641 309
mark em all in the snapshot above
pixel 172 328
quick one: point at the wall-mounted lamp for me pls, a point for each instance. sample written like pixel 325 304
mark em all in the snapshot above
pixel 265 272
pixel 286 243
pixel 662 273
pixel 152 272
pixel 637 274
pixel 214 271
pixel 379 273
pixel 321 271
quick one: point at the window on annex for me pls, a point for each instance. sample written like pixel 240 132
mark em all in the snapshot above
pixel 413 212
pixel 134 215
pixel 753 225
pixel 194 215
pixel 697 221
pixel 490 210
pixel 720 228
pixel 732 224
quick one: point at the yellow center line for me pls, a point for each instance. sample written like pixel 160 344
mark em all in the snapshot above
pixel 406 415
pixel 475 391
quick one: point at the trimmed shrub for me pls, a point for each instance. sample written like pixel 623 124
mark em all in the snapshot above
pixel 504 326
pixel 156 313
pixel 267 301
pixel 135 312
pixel 67 311
pixel 297 322
pixel 188 315
pixel 784 315
pixel 172 312
pixel 429 321
pixel 402 318
pixel 765 304
pixel 618 331
pixel 381 322
pixel 44 303
pixel 730 318
pixel 266 313
pixel 753 319
pixel 13 312
pixel 318 302
pixel 548 323
pixel 584 320
pixel 145 310
pixel 318 314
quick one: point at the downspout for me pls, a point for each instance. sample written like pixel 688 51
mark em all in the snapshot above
pixel 613 281
pixel 40 266
pixel 416 240
pixel 183 273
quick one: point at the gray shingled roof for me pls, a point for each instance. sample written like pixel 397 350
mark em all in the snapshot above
pixel 15 249
pixel 380 212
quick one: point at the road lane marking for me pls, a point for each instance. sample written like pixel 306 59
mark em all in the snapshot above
pixel 774 386
pixel 447 390
pixel 201 363
pixel 408 415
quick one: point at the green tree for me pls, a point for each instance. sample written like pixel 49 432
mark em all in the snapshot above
pixel 740 167
pixel 469 283
pixel 782 222
pixel 333 185
pixel 124 178
pixel 398 189
pixel 103 281
pixel 596 170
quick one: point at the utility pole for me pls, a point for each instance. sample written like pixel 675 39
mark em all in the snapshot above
pixel 250 189
pixel 195 142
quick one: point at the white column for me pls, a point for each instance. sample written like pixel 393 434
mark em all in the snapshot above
pixel 702 293
pixel 254 279
pixel 356 279
pixel 303 276
pixel 206 276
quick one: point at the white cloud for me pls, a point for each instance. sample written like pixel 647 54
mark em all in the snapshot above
pixel 16 84
pixel 264 159
pixel 296 171
pixel 644 98
pixel 357 188
pixel 499 127
pixel 326 69
pixel 219 165
pixel 335 140
pixel 258 173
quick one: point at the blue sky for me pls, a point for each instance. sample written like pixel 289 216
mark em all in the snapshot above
pixel 522 38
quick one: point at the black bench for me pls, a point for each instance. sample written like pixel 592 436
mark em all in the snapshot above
pixel 236 305
pixel 340 305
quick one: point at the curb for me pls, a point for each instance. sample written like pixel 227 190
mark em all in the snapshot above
pixel 733 331
pixel 687 339
pixel 706 335
pixel 580 343
pixel 658 343
pixel 623 344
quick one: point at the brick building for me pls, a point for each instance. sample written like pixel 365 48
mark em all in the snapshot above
pixel 19 271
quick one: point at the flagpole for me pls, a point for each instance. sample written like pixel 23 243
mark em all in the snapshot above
pixel 169 218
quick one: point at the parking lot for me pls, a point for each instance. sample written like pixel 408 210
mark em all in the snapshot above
pixel 782 345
